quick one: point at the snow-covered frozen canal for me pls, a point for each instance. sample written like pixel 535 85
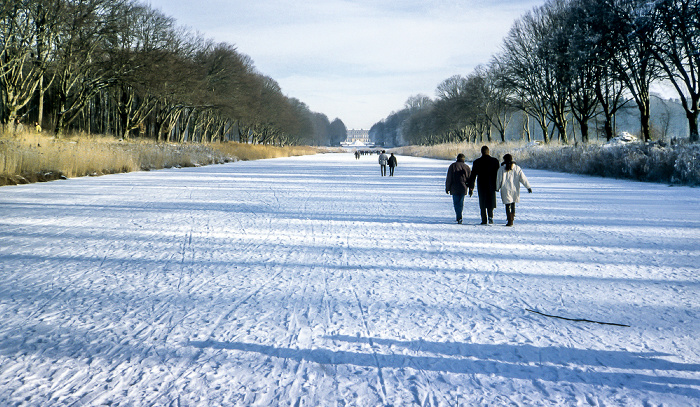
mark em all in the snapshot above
pixel 313 281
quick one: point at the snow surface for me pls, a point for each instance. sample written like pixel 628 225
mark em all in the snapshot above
pixel 313 281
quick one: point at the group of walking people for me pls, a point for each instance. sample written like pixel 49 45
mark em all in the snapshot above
pixel 387 161
pixel 384 162
pixel 490 177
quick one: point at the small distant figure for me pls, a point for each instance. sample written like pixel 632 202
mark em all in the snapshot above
pixel 383 161
pixel 357 154
pixel 19 127
pixel 456 184
pixel 392 164
pixel 508 181
pixel 37 127
pixel 484 170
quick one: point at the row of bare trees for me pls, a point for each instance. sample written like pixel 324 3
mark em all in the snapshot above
pixel 565 63
pixel 120 67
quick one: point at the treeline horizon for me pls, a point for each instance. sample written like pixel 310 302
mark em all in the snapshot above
pixel 122 68
pixel 563 66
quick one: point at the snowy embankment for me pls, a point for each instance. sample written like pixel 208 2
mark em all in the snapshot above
pixel 314 281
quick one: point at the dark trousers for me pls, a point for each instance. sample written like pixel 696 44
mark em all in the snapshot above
pixel 486 214
pixel 458 201
pixel 391 171
pixel 383 169
pixel 487 201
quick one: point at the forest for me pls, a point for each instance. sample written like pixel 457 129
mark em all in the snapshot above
pixel 566 70
pixel 121 68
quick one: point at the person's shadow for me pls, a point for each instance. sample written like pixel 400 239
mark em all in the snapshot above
pixel 617 369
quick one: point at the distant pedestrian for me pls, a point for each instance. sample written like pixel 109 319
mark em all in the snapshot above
pixel 484 170
pixel 456 184
pixel 383 161
pixel 392 164
pixel 19 127
pixel 357 154
pixel 508 181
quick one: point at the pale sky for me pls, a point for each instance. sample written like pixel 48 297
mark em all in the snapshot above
pixel 357 60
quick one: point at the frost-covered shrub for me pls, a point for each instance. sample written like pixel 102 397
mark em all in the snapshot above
pixel 686 168
pixel 654 162
pixel 677 163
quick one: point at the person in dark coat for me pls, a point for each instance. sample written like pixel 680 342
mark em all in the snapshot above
pixel 484 171
pixel 392 164
pixel 456 184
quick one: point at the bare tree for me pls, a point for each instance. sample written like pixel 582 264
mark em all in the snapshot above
pixel 631 56
pixel 418 102
pixel 522 73
pixel 582 33
pixel 498 109
pixel 664 117
pixel 553 50
pixel 84 64
pixel 118 66
pixel 26 35
pixel 145 42
pixel 676 49
pixel 452 88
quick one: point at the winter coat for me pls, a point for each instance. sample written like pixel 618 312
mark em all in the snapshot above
pixel 392 161
pixel 383 159
pixel 484 170
pixel 508 182
pixel 457 178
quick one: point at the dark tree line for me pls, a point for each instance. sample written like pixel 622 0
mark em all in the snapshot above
pixel 120 67
pixel 566 63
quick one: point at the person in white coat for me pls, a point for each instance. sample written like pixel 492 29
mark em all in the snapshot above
pixel 508 180
pixel 383 161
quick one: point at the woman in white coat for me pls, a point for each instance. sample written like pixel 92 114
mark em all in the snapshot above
pixel 508 180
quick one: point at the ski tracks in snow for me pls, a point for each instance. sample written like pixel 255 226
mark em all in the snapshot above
pixel 314 281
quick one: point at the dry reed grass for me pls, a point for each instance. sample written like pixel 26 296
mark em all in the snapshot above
pixel 247 152
pixel 30 157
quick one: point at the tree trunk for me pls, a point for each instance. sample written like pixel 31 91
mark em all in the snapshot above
pixel 60 115
pixel 40 116
pixel 561 129
pixel 545 132
pixel 584 131
pixel 526 128
pixel 693 123
pixel 608 128
pixel 645 120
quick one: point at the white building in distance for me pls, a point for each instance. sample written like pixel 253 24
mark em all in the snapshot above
pixel 357 138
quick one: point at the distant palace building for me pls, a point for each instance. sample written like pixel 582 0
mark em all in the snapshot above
pixel 357 138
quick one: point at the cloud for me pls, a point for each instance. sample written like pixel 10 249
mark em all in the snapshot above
pixel 358 59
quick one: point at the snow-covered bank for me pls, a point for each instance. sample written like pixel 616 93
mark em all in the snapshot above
pixel 676 163
pixel 314 281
